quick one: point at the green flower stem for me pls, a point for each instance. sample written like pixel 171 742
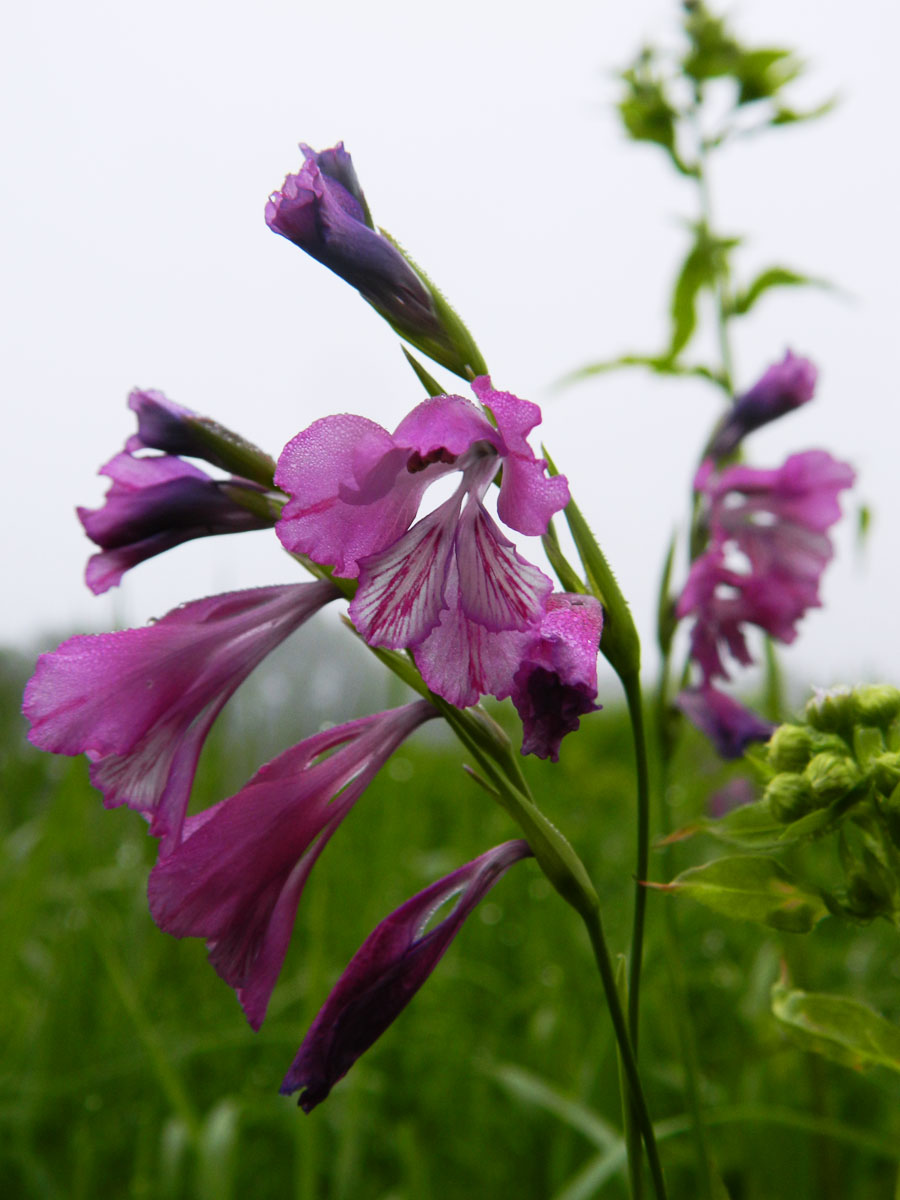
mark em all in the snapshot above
pixel 629 1064
pixel 721 308
pixel 632 686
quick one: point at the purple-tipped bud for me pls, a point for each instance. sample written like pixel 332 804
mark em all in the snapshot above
pixel 556 683
pixel 322 210
pixel 386 972
pixel 785 386
pixel 167 426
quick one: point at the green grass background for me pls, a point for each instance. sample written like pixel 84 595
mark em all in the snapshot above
pixel 128 1069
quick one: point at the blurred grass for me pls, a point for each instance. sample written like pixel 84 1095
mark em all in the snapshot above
pixel 128 1069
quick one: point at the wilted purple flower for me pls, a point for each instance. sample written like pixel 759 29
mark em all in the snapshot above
pixel 167 426
pixel 450 586
pixel 729 725
pixel 386 972
pixel 236 877
pixel 775 522
pixel 157 502
pixel 785 386
pixel 556 682
pixel 323 211
pixel 139 703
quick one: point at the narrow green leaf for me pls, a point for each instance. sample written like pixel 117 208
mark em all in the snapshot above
pixel 706 262
pixel 772 277
pixel 750 826
pixel 431 385
pixel 666 621
pixel 660 364
pixel 751 888
pixel 619 641
pixel 792 116
pixel 844 1030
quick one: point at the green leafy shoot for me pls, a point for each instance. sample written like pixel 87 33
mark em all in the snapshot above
pixel 837 1027
pixel 751 888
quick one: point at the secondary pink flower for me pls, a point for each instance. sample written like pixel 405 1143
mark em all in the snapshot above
pixel 452 578
pixel 236 877
pixel 139 703
pixel 556 681
pixel 774 523
pixel 157 502
pixel 386 972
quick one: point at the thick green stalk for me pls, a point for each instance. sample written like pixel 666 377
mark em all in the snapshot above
pixel 632 686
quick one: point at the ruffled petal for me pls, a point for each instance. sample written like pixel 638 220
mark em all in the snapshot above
pixel 350 496
pixel 528 497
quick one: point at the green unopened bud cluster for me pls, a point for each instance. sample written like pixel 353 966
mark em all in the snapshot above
pixel 849 743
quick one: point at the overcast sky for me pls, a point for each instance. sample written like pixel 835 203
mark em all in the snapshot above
pixel 143 141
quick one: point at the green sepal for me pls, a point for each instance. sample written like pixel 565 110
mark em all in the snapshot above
pixel 752 888
pixel 565 572
pixel 231 452
pixel 837 1027
pixel 456 349
pixel 619 641
pixel 772 277
pixel 428 382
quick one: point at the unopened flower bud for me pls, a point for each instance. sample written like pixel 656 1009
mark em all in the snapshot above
pixel 831 776
pixel 789 797
pixel 831 710
pixel 876 704
pixel 886 772
pixel 790 747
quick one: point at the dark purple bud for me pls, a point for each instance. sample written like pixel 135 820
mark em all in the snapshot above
pixel 785 386
pixel 159 502
pixel 323 211
pixel 167 426
pixel 386 972
pixel 729 725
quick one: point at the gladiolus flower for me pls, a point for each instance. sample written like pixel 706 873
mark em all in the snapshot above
pixel 386 972
pixel 776 522
pixel 236 877
pixel 729 725
pixel 139 703
pixel 450 586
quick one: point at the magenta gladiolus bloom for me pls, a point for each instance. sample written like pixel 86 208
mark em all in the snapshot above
pixel 236 877
pixel 386 972
pixel 451 586
pixel 139 703
pixel 785 386
pixel 157 502
pixel 556 682
pixel 775 523
pixel 728 724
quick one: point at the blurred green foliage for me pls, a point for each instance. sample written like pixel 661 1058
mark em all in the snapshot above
pixel 128 1069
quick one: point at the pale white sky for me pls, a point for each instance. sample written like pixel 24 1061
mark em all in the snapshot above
pixel 140 146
